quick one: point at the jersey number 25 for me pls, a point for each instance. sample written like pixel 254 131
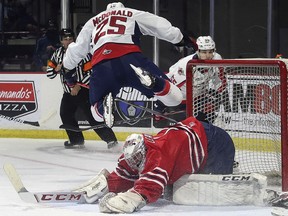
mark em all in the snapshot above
pixel 116 28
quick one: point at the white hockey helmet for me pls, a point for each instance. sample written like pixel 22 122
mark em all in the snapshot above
pixel 114 5
pixel 134 151
pixel 205 43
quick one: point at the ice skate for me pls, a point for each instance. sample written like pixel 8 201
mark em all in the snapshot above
pixel 278 211
pixel 108 104
pixel 70 145
pixel 280 200
pixel 144 76
pixel 114 146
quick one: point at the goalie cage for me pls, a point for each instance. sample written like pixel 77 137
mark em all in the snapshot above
pixel 252 109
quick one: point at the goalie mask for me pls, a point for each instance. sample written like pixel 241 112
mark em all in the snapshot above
pixel 134 151
pixel 114 5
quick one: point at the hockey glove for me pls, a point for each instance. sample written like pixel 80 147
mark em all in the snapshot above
pixel 70 77
pixel 127 202
pixel 95 188
pixel 186 42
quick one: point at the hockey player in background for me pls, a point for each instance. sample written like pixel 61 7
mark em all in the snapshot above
pixel 75 96
pixel 207 86
pixel 150 163
pixel 113 38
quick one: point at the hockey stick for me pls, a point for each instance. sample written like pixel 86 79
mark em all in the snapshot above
pixel 120 122
pixel 146 109
pixel 39 197
pixel 117 123
pixel 20 120
pixel 36 124
pixel 76 129
pixel 138 106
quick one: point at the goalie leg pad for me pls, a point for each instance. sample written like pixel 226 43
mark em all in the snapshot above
pixel 95 188
pixel 220 190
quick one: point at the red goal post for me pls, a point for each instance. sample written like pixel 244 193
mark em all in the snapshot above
pixel 252 108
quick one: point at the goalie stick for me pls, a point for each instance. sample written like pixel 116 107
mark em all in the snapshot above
pixel 40 197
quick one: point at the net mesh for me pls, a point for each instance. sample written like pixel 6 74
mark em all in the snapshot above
pixel 249 108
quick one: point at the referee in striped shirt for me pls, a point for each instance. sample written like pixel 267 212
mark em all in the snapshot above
pixel 75 97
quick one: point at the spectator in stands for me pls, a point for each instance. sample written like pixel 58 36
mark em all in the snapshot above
pixel 25 22
pixel 46 46
pixel 75 97
pixel 3 16
pixel 11 13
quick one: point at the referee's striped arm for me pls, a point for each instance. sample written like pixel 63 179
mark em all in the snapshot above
pixel 84 70
pixel 53 62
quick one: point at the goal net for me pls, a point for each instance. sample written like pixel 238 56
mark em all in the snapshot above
pixel 252 108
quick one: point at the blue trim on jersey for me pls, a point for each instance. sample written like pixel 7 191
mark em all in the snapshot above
pixel 137 35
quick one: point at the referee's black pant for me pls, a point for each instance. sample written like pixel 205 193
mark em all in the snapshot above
pixel 68 108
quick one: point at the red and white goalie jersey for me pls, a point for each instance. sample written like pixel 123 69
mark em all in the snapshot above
pixel 212 78
pixel 173 152
pixel 116 32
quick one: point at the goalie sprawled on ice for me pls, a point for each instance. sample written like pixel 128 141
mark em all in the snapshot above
pixel 194 157
pixel 151 163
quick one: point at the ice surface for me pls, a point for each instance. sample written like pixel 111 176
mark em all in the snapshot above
pixel 44 165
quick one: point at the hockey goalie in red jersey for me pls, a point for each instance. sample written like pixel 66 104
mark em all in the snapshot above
pixel 150 163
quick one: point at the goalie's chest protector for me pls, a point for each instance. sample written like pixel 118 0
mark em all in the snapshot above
pixel 179 150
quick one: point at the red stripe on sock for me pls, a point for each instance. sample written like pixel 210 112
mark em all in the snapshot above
pixel 97 111
pixel 165 90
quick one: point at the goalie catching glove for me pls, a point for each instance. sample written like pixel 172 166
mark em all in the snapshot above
pixel 95 188
pixel 127 202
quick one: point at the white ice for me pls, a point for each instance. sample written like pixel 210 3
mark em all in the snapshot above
pixel 45 165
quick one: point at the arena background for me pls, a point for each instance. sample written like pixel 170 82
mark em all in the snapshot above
pixel 240 28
